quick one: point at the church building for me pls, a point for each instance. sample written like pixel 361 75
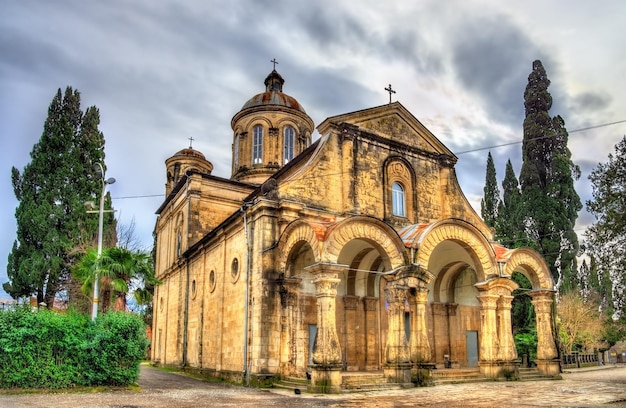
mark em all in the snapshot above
pixel 354 253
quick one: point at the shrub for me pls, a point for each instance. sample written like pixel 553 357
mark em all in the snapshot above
pixel 44 349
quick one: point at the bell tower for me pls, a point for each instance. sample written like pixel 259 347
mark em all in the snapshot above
pixel 268 132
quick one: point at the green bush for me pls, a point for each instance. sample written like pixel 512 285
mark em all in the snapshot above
pixel 44 349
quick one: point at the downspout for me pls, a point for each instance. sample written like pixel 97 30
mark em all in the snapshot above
pixel 186 310
pixel 186 316
pixel 246 372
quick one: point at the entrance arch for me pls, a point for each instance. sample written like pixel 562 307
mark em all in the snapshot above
pixel 532 265
pixel 369 249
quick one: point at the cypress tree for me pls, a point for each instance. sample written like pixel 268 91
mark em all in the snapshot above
pixel 52 225
pixel 550 203
pixel 491 198
pixel 509 226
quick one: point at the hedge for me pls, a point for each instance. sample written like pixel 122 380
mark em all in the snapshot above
pixel 44 349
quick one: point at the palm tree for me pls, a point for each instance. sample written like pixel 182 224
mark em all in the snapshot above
pixel 116 268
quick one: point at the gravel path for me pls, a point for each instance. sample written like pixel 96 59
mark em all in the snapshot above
pixel 581 388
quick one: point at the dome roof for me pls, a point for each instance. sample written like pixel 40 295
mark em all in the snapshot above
pixel 273 95
pixel 189 152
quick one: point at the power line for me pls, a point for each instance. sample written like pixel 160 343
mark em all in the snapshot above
pixel 457 153
pixel 138 196
pixel 539 138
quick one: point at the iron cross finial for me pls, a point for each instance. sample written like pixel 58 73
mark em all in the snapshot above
pixel 391 91
pixel 274 62
pixel 191 139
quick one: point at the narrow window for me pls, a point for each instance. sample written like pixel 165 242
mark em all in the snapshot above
pixel 288 144
pixel 397 200
pixel 257 145
pixel 236 152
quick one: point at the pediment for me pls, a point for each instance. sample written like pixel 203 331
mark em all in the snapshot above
pixel 393 122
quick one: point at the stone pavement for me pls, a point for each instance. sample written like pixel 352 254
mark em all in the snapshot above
pixel 591 387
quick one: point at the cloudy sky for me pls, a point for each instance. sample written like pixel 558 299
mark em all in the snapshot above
pixel 164 71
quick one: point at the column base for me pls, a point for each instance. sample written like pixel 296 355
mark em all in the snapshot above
pixel 399 373
pixel 325 379
pixel 422 374
pixel 500 369
pixel 550 367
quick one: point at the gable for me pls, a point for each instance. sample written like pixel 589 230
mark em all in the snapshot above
pixel 393 122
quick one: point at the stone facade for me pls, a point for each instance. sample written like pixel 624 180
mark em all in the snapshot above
pixel 358 252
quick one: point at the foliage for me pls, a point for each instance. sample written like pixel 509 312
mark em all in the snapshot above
pixel 526 343
pixel 606 239
pixel 489 203
pixel 522 311
pixel 51 191
pixel 43 349
pixel 116 268
pixel 509 224
pixel 581 323
pixel 550 203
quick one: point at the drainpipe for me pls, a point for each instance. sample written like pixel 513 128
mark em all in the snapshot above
pixel 186 317
pixel 246 372
pixel 186 311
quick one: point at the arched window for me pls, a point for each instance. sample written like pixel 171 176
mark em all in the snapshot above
pixel 236 152
pixel 397 200
pixel 288 142
pixel 257 145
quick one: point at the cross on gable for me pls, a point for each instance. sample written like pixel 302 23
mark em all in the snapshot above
pixel 391 91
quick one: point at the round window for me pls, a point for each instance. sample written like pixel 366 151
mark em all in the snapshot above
pixel 235 270
pixel 211 281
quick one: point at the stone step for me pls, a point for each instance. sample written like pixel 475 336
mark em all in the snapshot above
pixel 457 376
pixel 348 380
pixel 370 387
pixel 292 383
pixel 532 374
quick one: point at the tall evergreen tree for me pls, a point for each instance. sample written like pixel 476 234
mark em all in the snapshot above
pixel 606 239
pixel 549 201
pixel 51 190
pixel 509 224
pixel 491 198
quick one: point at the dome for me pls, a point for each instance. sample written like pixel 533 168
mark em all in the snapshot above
pixel 273 95
pixel 189 152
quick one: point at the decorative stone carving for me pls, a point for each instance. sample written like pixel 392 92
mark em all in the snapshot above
pixel 420 346
pixel 397 349
pixel 326 349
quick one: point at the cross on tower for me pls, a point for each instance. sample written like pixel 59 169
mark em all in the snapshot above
pixel 391 91
pixel 274 62
pixel 191 139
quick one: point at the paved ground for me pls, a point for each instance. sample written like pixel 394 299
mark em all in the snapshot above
pixel 579 388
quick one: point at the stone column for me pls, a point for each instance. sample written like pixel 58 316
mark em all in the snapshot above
pixel 507 351
pixel 289 326
pixel 371 333
pixel 397 355
pixel 488 334
pixel 325 376
pixel 547 356
pixel 352 331
pixel 420 346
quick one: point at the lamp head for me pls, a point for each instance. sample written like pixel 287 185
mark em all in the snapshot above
pixel 110 180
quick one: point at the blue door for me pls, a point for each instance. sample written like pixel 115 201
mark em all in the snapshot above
pixel 471 341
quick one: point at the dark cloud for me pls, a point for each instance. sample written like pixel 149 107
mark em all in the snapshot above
pixel 493 58
pixel 591 102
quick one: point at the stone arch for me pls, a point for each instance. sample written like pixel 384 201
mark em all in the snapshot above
pixel 295 233
pixel 461 232
pixel 367 228
pixel 532 265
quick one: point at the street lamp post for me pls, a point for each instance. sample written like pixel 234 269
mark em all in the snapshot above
pixel 96 283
